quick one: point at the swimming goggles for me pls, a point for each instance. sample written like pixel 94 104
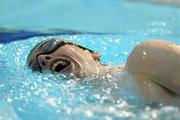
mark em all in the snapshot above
pixel 51 45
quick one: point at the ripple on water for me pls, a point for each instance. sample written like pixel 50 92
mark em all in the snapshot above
pixel 28 95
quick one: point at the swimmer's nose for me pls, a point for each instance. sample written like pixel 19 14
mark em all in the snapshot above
pixel 44 61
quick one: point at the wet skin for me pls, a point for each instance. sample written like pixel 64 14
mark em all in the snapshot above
pixel 159 68
pixel 155 66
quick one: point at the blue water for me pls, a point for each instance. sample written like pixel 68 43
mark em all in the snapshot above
pixel 26 95
pixel 102 16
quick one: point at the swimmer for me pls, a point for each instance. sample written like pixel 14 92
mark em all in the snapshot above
pixel 153 64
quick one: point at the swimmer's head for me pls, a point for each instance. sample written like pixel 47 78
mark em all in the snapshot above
pixel 63 57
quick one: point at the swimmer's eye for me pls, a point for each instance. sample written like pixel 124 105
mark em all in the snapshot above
pixel 49 46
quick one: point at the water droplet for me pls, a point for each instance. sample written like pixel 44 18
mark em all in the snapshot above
pixel 9 100
pixel 147 108
pixel 89 113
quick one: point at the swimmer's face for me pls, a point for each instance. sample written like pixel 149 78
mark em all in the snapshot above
pixel 62 57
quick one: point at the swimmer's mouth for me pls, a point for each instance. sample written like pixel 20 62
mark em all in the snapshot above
pixel 61 66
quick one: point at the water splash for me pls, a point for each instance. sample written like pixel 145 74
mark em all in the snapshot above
pixel 29 95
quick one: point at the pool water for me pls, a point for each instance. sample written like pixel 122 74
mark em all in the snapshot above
pixel 111 27
pixel 110 16
pixel 27 95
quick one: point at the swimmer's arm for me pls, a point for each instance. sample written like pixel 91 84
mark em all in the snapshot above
pixel 157 61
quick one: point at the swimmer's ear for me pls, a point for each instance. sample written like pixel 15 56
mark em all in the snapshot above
pixel 96 56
